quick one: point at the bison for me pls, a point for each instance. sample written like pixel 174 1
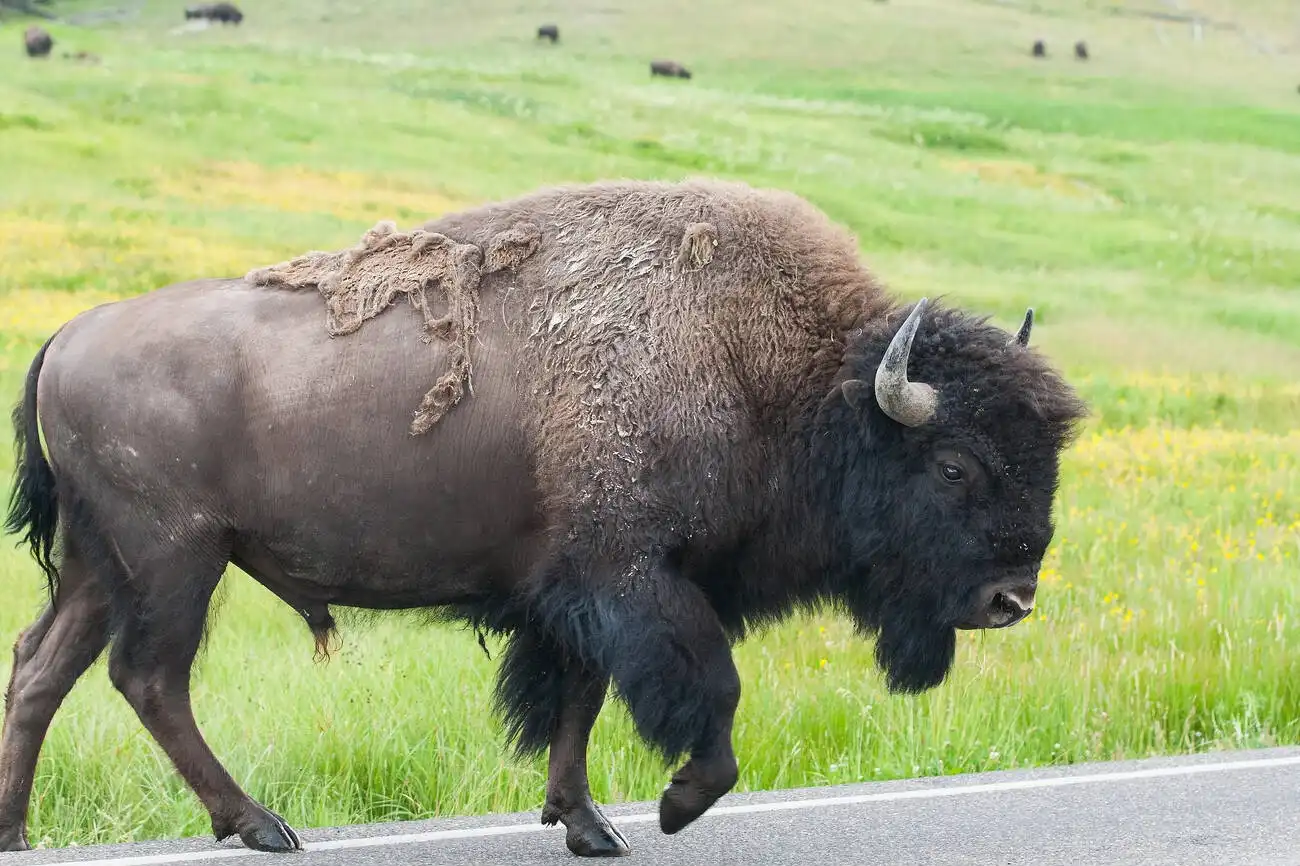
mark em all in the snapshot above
pixel 38 41
pixel 669 69
pixel 617 424
pixel 1080 50
pixel 549 31
pixel 1040 48
pixel 226 13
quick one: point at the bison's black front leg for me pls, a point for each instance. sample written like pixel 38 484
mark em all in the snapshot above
pixel 659 639
pixel 711 702
pixel 568 797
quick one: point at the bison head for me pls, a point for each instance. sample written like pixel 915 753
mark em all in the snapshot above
pixel 952 430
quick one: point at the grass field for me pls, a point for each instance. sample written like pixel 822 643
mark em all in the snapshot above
pixel 1147 203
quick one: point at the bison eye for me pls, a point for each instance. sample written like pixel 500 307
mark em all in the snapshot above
pixel 951 473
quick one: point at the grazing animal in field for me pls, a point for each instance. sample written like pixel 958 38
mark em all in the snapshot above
pixel 1040 48
pixel 226 13
pixel 37 41
pixel 549 31
pixel 669 69
pixel 1080 51
pixel 616 424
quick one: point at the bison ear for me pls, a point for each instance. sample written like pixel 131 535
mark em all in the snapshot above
pixel 856 392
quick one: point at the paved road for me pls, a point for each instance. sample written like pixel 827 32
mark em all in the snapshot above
pixel 1225 809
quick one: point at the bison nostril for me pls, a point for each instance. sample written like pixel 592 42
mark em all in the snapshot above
pixel 1007 603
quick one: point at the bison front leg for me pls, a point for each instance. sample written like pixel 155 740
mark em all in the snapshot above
pixel 709 702
pixel 657 636
pixel 549 699
pixel 568 795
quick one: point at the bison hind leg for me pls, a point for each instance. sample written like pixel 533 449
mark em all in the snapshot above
pixel 161 615
pixel 49 658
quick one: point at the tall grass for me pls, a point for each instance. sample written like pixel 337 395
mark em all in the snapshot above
pixel 1144 204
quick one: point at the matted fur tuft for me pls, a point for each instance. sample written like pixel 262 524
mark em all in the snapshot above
pixel 697 246
pixel 360 283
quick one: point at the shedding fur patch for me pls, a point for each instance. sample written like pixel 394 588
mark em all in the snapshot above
pixel 697 246
pixel 510 247
pixel 360 283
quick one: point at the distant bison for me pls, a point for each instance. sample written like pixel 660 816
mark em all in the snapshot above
pixel 548 31
pixel 694 411
pixel 1080 50
pixel 1040 48
pixel 38 42
pixel 226 13
pixel 669 69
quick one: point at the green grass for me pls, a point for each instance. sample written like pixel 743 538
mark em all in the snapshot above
pixel 1145 203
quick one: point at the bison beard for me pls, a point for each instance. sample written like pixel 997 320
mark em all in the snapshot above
pixel 915 654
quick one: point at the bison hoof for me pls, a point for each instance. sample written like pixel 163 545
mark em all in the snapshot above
pixel 691 794
pixel 263 830
pixel 14 840
pixel 590 833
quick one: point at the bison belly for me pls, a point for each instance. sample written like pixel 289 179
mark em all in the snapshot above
pixel 217 404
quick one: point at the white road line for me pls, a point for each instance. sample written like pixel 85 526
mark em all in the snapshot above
pixel 721 811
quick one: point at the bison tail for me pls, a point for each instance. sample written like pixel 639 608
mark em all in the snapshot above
pixel 34 502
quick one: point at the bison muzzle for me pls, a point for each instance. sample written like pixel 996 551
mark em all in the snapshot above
pixel 616 424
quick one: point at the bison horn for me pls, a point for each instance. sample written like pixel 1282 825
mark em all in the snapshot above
pixel 1022 336
pixel 909 403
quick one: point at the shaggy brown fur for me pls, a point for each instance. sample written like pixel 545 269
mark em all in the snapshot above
pixel 655 312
